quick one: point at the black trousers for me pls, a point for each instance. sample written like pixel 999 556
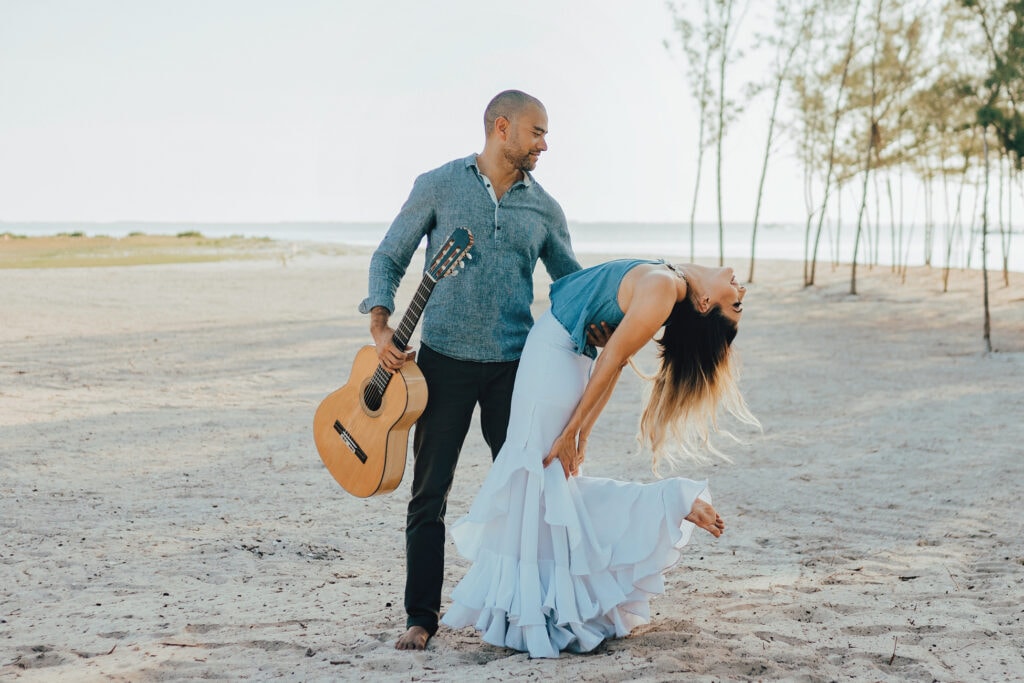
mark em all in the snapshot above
pixel 454 389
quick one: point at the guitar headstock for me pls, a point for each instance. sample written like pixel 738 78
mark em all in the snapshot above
pixel 451 254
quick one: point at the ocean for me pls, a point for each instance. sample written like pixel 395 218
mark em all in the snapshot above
pixel 774 240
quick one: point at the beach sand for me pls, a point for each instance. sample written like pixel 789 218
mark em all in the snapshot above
pixel 165 516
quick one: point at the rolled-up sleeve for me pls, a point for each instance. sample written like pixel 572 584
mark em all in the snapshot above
pixel 391 259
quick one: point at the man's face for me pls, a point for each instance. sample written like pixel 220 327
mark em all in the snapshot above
pixel 526 138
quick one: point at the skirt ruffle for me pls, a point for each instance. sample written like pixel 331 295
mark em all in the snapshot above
pixel 564 564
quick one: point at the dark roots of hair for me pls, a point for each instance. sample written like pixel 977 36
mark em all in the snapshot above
pixel 693 346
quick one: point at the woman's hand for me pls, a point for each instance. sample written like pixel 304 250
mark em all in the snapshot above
pixel 569 453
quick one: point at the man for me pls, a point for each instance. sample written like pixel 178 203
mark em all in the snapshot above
pixel 474 325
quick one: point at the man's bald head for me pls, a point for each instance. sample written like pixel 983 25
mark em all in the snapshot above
pixel 508 104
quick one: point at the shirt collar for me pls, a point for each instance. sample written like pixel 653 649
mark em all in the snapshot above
pixel 470 161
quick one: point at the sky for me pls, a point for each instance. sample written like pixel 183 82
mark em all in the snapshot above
pixel 317 110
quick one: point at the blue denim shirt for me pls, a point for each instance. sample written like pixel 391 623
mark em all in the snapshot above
pixel 483 314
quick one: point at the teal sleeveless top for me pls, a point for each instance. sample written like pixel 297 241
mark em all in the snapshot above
pixel 590 296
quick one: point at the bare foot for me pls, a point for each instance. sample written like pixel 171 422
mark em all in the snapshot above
pixel 414 639
pixel 704 516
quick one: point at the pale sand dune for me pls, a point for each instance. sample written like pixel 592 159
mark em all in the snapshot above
pixel 164 515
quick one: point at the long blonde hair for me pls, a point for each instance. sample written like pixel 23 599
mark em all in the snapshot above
pixel 699 373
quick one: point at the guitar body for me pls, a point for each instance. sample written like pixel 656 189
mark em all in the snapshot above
pixel 362 430
pixel 365 449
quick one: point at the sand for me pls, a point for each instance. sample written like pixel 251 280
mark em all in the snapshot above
pixel 164 514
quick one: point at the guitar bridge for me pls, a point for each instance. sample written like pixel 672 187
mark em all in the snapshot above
pixel 349 441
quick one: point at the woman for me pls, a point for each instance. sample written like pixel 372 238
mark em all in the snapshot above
pixel 562 561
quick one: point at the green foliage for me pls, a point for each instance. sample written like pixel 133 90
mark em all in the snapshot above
pixel 1001 86
pixel 917 81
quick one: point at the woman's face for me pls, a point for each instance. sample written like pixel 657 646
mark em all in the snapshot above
pixel 716 287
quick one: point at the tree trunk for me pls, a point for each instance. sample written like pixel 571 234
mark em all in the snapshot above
pixel 954 226
pixel 838 239
pixel 980 186
pixel 1006 229
pixel 768 148
pixel 877 245
pixel 760 183
pixel 873 139
pixel 702 110
pixel 1009 228
pixel 722 60
pixel 984 248
pixel 860 220
pixel 832 146
pixel 893 236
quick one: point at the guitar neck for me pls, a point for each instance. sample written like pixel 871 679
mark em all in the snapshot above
pixel 403 333
pixel 449 256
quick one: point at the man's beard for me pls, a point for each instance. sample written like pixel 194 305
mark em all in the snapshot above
pixel 520 160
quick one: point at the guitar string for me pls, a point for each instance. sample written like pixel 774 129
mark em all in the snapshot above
pixel 380 379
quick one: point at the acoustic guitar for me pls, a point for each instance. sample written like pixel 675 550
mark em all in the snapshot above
pixel 362 429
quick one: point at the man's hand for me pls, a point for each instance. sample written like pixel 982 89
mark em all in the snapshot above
pixel 598 335
pixel 391 357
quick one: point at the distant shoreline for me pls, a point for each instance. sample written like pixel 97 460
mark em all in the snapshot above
pixel 76 248
pixel 80 251
pixel 774 241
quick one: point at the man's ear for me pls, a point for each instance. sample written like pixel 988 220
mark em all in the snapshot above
pixel 501 126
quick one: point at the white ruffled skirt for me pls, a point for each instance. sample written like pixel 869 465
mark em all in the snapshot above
pixel 562 564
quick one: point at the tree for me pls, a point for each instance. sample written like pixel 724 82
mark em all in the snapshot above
pixel 713 42
pixel 837 113
pixel 1002 92
pixel 697 46
pixel 872 144
pixel 792 27
pixel 879 92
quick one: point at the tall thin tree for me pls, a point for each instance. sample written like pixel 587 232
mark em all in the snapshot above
pixel 697 45
pixel 837 114
pixel 873 143
pixel 792 33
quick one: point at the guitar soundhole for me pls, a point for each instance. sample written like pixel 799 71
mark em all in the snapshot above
pixel 373 398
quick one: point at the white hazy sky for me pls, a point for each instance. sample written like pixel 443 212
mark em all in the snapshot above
pixel 261 110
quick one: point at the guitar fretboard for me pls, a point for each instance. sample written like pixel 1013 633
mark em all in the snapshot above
pixel 374 391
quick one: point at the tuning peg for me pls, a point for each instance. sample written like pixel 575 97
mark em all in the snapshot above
pixel 469 255
pixel 462 264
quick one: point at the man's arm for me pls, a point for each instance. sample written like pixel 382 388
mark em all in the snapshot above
pixel 388 265
pixel 392 257
pixel 557 253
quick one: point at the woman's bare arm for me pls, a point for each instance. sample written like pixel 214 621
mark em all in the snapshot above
pixel 651 300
